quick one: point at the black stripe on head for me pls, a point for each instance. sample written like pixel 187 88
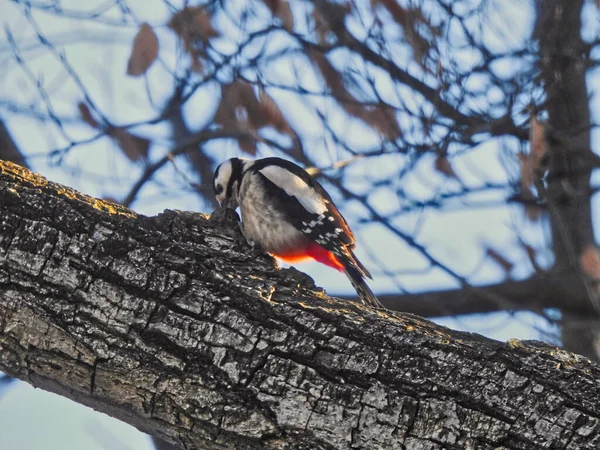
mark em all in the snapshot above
pixel 214 181
pixel 237 166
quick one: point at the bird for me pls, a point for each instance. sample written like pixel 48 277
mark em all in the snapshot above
pixel 289 215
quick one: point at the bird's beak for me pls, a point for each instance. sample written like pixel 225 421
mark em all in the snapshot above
pixel 223 202
pixel 220 198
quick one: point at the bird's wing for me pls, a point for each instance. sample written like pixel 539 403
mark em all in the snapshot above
pixel 305 203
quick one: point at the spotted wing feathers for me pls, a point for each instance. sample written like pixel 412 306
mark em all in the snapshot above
pixel 309 208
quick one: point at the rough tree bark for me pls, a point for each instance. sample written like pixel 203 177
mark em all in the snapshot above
pixel 175 326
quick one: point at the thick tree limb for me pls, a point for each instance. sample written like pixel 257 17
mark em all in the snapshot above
pixel 176 327
pixel 563 291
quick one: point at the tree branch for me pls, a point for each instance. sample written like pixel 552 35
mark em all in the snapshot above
pixel 174 325
pixel 536 293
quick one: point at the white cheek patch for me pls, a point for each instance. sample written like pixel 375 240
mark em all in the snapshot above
pixel 224 175
pixel 294 185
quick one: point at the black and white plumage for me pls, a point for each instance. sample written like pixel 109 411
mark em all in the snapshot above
pixel 289 215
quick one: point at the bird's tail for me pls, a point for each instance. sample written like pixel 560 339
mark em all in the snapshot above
pixel 362 289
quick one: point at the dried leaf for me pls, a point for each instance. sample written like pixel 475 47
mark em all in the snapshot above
pixel 285 14
pixel 248 146
pixel 238 103
pixel 590 262
pixel 527 171
pixel 500 259
pixel 193 26
pixel 144 51
pixel 442 165
pixel 329 17
pixel 533 164
pixel 322 26
pixel 411 20
pixel 282 9
pixel 132 146
pixel 380 117
pixel 332 77
pixel 533 212
pixel 420 45
pixel 272 114
pixel 383 119
pixel 86 115
pixel 402 16
pixel 239 109
pixel 537 141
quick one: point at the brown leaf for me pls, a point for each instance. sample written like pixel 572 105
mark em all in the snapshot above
pixel 590 262
pixel 285 14
pixel 132 146
pixel 193 26
pixel 238 103
pixel 411 20
pixel 239 109
pixel 500 259
pixel 329 17
pixel 442 165
pixel 332 77
pixel 533 164
pixel 533 212
pixel 380 117
pixel 193 23
pixel 420 45
pixel 144 51
pixel 322 26
pixel 383 119
pixel 248 146
pixel 282 9
pixel 527 171
pixel 537 142
pixel 272 114
pixel 86 115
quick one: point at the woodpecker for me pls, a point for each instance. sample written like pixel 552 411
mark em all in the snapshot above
pixel 289 215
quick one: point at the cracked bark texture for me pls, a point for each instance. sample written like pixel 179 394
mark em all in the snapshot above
pixel 174 325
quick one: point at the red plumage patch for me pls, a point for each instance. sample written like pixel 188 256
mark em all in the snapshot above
pixel 311 251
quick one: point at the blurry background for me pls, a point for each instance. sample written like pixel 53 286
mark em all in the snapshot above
pixel 458 137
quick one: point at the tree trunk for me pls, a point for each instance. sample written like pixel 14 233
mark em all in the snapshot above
pixel 563 67
pixel 174 325
pixel 563 64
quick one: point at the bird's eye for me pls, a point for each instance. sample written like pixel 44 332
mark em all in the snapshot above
pixel 218 189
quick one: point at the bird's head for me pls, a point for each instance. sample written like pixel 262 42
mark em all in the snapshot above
pixel 226 182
